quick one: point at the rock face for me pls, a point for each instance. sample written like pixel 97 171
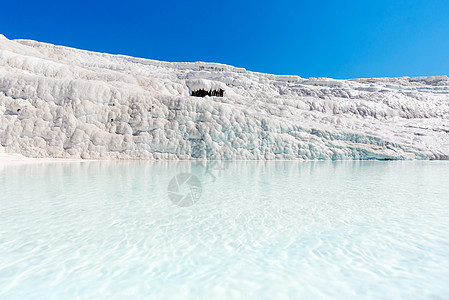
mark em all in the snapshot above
pixel 62 102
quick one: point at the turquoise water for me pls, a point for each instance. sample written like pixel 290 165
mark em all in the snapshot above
pixel 252 230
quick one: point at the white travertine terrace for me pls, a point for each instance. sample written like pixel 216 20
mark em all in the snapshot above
pixel 62 102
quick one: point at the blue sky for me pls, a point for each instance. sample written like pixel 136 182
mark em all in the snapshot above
pixel 339 39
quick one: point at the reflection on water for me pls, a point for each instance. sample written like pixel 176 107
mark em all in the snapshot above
pixel 257 230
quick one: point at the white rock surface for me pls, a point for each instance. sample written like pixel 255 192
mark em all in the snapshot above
pixel 61 102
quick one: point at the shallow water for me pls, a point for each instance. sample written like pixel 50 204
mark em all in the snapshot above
pixel 259 230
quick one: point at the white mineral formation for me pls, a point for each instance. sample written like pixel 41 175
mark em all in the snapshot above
pixel 61 102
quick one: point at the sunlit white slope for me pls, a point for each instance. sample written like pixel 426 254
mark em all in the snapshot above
pixel 61 102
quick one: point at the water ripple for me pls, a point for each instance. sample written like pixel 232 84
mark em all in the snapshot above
pixel 260 230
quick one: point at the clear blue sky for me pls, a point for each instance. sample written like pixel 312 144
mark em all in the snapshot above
pixel 339 39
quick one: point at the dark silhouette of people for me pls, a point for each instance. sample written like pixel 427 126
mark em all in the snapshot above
pixel 204 93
